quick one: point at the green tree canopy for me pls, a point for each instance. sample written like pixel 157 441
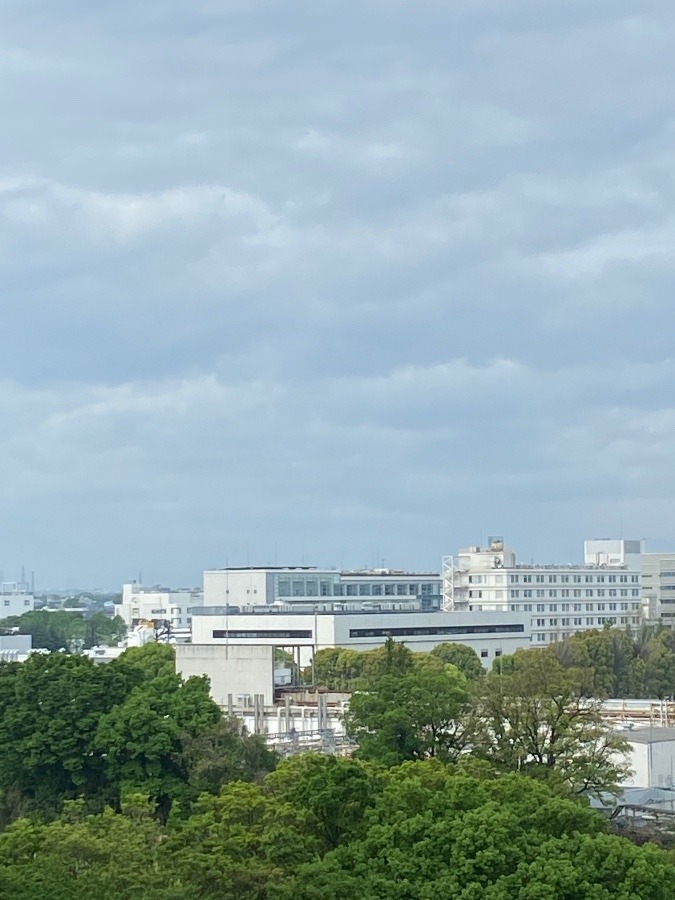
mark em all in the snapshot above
pixel 464 658
pixel 410 716
pixel 541 719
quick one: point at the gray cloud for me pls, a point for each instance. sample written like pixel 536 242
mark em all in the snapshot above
pixel 333 282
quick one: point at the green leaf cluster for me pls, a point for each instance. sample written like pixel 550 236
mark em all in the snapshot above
pixel 70 729
pixel 321 828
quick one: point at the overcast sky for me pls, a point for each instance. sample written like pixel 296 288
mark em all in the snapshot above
pixel 339 283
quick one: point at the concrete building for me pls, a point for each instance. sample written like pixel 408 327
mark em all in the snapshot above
pixel 15 599
pixel 489 634
pixel 235 672
pixel 289 585
pixel 658 587
pixel 148 604
pixel 559 599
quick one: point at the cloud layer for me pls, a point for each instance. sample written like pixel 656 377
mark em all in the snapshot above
pixel 333 283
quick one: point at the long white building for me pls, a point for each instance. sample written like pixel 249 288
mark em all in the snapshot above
pixel 490 634
pixel 559 599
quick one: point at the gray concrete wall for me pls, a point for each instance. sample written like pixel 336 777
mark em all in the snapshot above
pixel 236 670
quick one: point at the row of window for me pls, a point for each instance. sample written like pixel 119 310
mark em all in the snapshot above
pixel 576 592
pixel 307 587
pixel 25 602
pixel 543 637
pixel 578 620
pixel 576 607
pixel 574 579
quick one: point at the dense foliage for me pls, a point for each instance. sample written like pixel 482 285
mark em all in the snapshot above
pixel 623 664
pixel 61 630
pixel 320 828
pixel 72 730
pixel 343 669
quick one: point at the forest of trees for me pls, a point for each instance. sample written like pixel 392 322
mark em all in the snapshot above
pixel 123 781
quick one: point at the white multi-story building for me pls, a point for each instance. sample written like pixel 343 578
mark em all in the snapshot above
pixel 15 599
pixel 151 604
pixel 658 587
pixel 490 634
pixel 303 585
pixel 560 599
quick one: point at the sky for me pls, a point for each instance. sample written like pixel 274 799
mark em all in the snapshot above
pixel 337 283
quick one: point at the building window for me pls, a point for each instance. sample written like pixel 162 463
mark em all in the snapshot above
pixel 540 607
pixel 483 654
pixel 541 637
pixel 515 593
pixel 540 593
pixel 351 590
pixel 576 607
pixel 539 579
pixel 527 607
pixel 478 579
pixel 389 590
pixel 601 592
pixel 364 590
pixel 577 621
pixel 424 630
pixel 553 593
pixel 298 588
pixel 553 607
pixel 601 607
pixel 565 579
pixel 576 593
pixel 264 633
pixel 552 621
pixel 377 590
pixel 284 589
pixel 527 593
pixel 527 579
pixel 541 623
pixel 589 621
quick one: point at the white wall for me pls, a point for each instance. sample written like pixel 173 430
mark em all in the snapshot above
pixel 16 604
pixel 245 587
pixel 233 670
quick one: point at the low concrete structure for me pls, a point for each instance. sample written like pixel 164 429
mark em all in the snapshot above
pixel 652 757
pixel 235 672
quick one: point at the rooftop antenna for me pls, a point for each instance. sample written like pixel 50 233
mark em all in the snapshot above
pixel 140 577
pixel 23 575
pixel 32 581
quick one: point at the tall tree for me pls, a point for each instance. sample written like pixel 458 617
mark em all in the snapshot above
pixel 411 716
pixel 540 719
